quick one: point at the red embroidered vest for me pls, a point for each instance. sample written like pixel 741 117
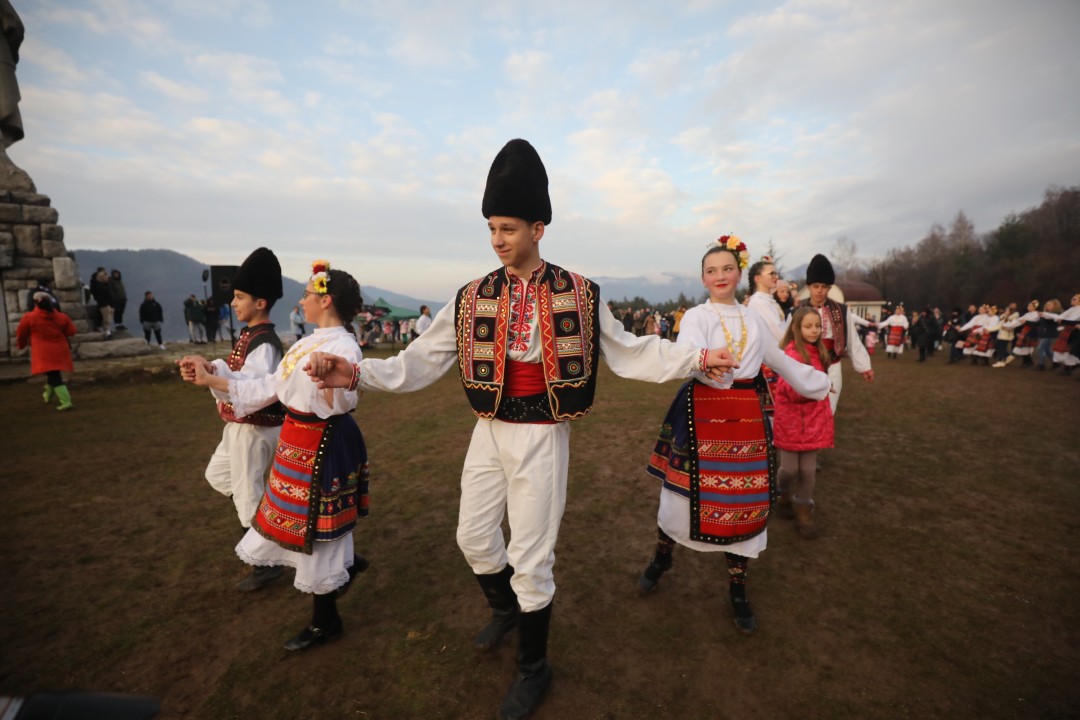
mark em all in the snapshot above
pixel 251 338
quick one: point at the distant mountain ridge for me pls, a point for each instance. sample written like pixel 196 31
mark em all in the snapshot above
pixel 173 276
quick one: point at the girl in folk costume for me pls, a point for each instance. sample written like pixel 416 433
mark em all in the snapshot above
pixel 896 327
pixel 318 482
pixel 802 426
pixel 1065 346
pixel 714 455
pixel 1026 336
pixel 977 342
pixel 46 331
pixel 986 347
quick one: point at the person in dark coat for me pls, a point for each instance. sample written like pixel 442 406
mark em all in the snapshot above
pixel 119 294
pixel 151 316
pixel 923 331
pixel 102 293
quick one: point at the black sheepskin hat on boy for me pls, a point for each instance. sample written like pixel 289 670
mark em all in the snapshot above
pixel 517 184
pixel 260 276
pixel 820 270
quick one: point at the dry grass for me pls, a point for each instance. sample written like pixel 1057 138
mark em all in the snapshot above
pixel 944 585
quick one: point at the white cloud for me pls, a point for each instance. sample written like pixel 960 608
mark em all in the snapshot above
pixel 174 90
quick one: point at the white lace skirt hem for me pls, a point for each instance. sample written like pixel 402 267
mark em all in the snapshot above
pixel 324 570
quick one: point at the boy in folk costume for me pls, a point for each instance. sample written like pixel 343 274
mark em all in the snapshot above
pixel 238 466
pixel 839 328
pixel 527 339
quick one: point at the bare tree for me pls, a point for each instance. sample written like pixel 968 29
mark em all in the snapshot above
pixel 845 258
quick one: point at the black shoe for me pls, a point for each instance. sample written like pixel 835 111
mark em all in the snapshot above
pixel 745 622
pixel 659 565
pixel 312 636
pixel 359 565
pixel 260 577
pixel 531 683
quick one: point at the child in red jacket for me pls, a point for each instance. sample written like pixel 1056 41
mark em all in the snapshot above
pixel 801 427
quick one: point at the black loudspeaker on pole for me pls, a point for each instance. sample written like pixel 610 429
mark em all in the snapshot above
pixel 221 277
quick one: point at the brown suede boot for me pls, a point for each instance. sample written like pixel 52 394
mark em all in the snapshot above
pixel 804 520
pixel 783 506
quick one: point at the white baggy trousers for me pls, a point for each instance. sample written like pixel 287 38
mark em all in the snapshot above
pixel 239 464
pixel 517 470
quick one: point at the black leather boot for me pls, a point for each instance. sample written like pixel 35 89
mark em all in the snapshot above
pixel 504 608
pixel 660 564
pixel 533 677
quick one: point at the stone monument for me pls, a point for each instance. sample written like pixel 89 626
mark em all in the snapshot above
pixel 31 240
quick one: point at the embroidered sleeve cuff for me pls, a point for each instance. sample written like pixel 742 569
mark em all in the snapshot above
pixel 702 363
pixel 356 378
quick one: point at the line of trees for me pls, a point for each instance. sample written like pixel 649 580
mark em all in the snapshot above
pixel 1031 255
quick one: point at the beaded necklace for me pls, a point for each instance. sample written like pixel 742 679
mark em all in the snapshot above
pixel 737 348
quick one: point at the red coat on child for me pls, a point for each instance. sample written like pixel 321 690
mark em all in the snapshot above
pixel 47 335
pixel 799 424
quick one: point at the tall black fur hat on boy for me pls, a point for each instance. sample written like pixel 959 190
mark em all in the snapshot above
pixel 260 275
pixel 517 184
pixel 820 270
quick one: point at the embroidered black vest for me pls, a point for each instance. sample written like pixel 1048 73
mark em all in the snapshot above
pixel 568 322
pixel 251 338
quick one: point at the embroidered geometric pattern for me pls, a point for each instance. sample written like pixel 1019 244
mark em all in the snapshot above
pixel 715 450
pixel 568 343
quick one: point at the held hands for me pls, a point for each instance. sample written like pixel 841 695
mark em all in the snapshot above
pixel 329 371
pixel 195 369
pixel 868 376
pixel 719 362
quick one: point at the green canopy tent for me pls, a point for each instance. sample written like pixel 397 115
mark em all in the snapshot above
pixel 395 312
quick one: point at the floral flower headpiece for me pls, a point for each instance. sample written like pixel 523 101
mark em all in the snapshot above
pixel 320 276
pixel 737 248
pixel 767 259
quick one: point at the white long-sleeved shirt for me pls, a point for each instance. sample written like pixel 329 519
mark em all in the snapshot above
pixel 701 327
pixel 291 385
pixel 429 356
pixel 765 305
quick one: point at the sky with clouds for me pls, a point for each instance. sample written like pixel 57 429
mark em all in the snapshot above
pixel 363 131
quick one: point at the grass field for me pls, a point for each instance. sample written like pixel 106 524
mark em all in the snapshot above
pixel 946 583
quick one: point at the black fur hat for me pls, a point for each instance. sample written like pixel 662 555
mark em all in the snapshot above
pixel 820 270
pixel 517 184
pixel 260 275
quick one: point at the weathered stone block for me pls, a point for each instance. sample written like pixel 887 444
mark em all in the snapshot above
pixel 23 299
pixel 73 311
pixel 25 198
pixel 38 265
pixel 11 213
pixel 68 297
pixel 66 273
pixel 81 325
pixel 52 249
pixel 7 256
pixel 52 232
pixel 28 240
pixel 38 215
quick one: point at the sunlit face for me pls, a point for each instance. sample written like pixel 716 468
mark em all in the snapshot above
pixel 516 242
pixel 818 293
pixel 246 306
pixel 720 274
pixel 810 328
pixel 766 279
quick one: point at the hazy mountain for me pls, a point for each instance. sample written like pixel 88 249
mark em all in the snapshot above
pixel 172 277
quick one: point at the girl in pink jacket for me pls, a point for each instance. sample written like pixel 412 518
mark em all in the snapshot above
pixel 801 427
